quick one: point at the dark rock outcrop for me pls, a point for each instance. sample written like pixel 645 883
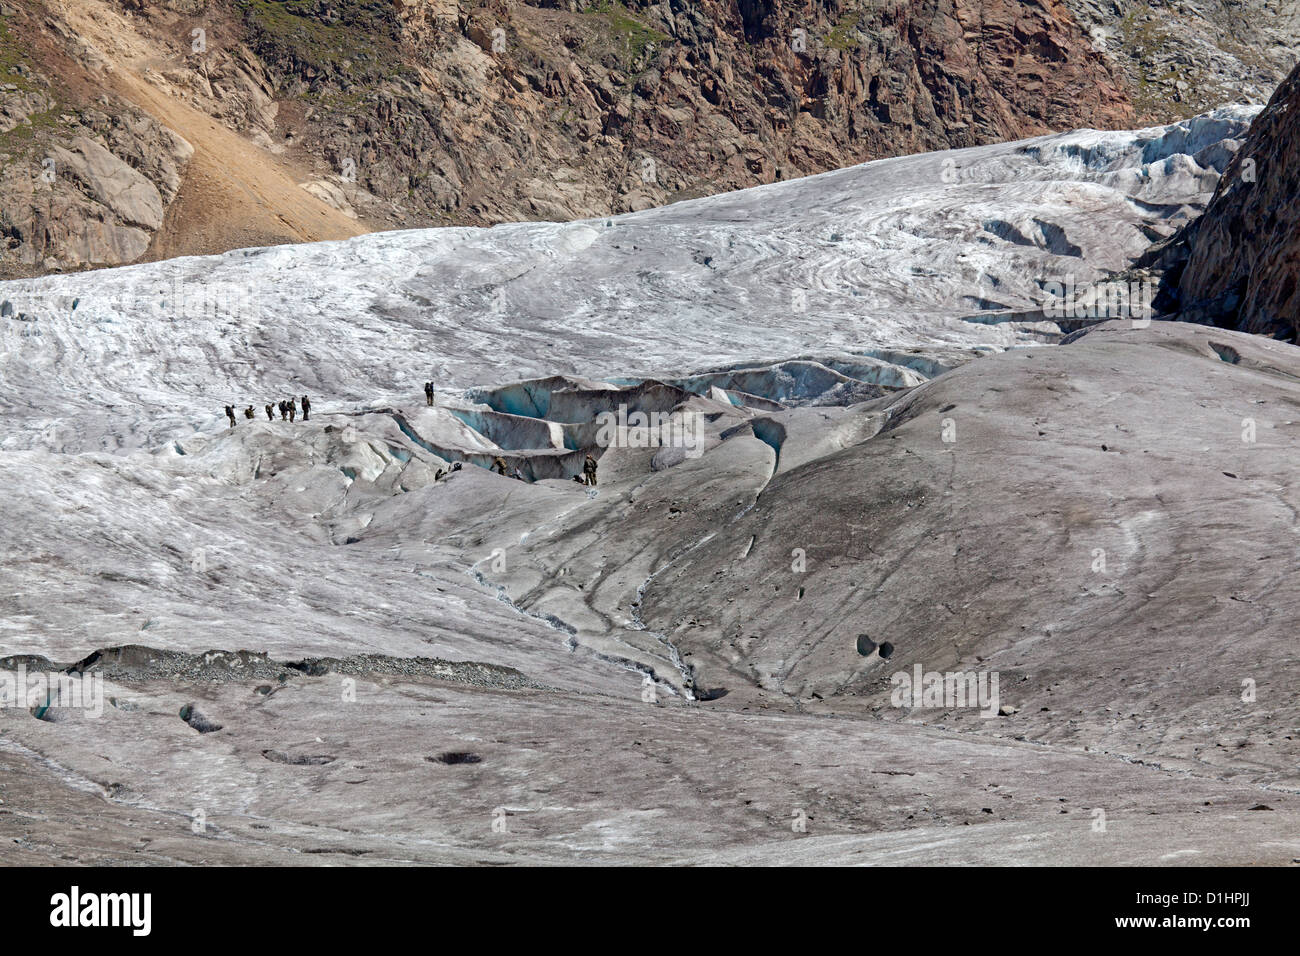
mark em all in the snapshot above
pixel 1243 254
pixel 484 113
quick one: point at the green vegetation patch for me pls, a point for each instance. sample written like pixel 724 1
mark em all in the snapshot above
pixel 21 138
pixel 627 28
pixel 1144 40
pixel 358 38
pixel 11 55
pixel 842 36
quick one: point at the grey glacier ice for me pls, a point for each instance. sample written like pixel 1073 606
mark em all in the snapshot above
pixel 315 648
pixel 947 248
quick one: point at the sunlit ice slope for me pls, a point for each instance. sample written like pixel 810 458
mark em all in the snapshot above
pixel 944 248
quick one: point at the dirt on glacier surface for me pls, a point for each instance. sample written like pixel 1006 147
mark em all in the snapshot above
pixel 312 647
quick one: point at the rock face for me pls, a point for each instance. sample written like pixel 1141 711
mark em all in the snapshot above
pixel 436 112
pixel 510 111
pixel 93 195
pixel 1244 252
pixel 110 181
pixel 85 177
pixel 1183 58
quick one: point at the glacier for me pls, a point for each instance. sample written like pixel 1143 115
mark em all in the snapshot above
pixel 939 249
pixel 395 661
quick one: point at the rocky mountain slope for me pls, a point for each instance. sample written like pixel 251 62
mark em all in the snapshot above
pixel 1237 265
pixel 265 121
pixel 1182 57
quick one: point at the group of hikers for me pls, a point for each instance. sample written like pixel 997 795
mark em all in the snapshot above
pixel 288 410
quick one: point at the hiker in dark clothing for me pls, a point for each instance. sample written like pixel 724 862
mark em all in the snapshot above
pixel 230 413
pixel 589 470
pixel 249 413
pixel 284 410
pixel 428 393
pixel 270 413
pixel 293 408
pixel 306 407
